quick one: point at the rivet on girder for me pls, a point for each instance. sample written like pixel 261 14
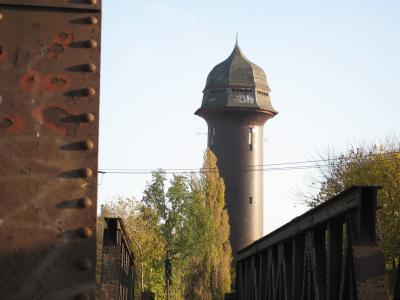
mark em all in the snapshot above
pixel 91 68
pixel 1 16
pixel 90 91
pixel 85 264
pixel 85 232
pixel 88 117
pixel 93 20
pixel 86 172
pixel 82 296
pixel 88 145
pixel 91 43
pixel 93 2
pixel 85 202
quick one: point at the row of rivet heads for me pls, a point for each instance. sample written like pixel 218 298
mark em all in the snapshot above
pixel 87 117
pixel 86 202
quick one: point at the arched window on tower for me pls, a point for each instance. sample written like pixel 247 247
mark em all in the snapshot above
pixel 251 138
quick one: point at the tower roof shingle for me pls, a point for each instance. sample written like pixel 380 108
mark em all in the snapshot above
pixel 237 70
pixel 237 83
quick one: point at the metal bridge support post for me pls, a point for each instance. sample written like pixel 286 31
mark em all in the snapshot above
pixel 397 283
pixel 49 107
pixel 118 263
pixel 333 249
pixel 368 261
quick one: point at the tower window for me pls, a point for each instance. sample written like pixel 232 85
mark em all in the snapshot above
pixel 262 93
pixel 211 137
pixel 250 138
pixel 242 90
pixel 250 200
pixel 217 91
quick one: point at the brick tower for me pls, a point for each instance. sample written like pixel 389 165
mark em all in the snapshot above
pixel 236 104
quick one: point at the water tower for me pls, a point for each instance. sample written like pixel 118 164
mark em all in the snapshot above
pixel 236 104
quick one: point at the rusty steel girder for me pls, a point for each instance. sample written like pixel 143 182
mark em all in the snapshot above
pixel 330 252
pixel 49 106
pixel 118 262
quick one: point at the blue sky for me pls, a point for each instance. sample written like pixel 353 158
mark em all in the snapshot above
pixel 333 67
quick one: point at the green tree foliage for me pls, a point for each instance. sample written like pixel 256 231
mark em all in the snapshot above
pixel 172 211
pixel 209 273
pixel 368 165
pixel 182 220
pixel 142 228
pixel 168 223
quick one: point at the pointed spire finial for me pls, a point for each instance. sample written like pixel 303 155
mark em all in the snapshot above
pixel 237 41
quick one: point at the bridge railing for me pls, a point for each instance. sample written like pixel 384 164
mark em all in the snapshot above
pixel 118 263
pixel 330 252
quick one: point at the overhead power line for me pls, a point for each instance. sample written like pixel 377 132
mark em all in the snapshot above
pixel 283 166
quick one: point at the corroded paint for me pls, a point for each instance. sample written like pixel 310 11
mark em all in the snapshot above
pixel 48 149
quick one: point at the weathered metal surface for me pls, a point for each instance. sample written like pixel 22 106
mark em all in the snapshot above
pixel 118 263
pixel 396 295
pixel 330 252
pixel 49 108
pixel 69 4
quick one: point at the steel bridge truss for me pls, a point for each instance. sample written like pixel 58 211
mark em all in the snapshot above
pixel 118 262
pixel 331 252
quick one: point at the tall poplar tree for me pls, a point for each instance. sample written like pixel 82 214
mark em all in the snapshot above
pixel 209 273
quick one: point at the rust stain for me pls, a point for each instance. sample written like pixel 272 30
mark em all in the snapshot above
pixel 60 41
pixel 16 56
pixel 25 170
pixel 5 123
pixel 56 83
pixel 54 50
pixel 35 106
pixel 36 26
pixel 30 81
pixel 60 119
pixel 11 124
pixel 2 53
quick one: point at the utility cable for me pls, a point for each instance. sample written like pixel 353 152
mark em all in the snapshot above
pixel 297 165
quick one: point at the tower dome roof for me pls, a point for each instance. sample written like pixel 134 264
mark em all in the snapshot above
pixel 237 70
pixel 236 83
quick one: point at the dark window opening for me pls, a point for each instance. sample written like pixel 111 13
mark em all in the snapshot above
pixel 262 93
pixel 217 91
pixel 211 137
pixel 242 90
pixel 250 200
pixel 250 139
